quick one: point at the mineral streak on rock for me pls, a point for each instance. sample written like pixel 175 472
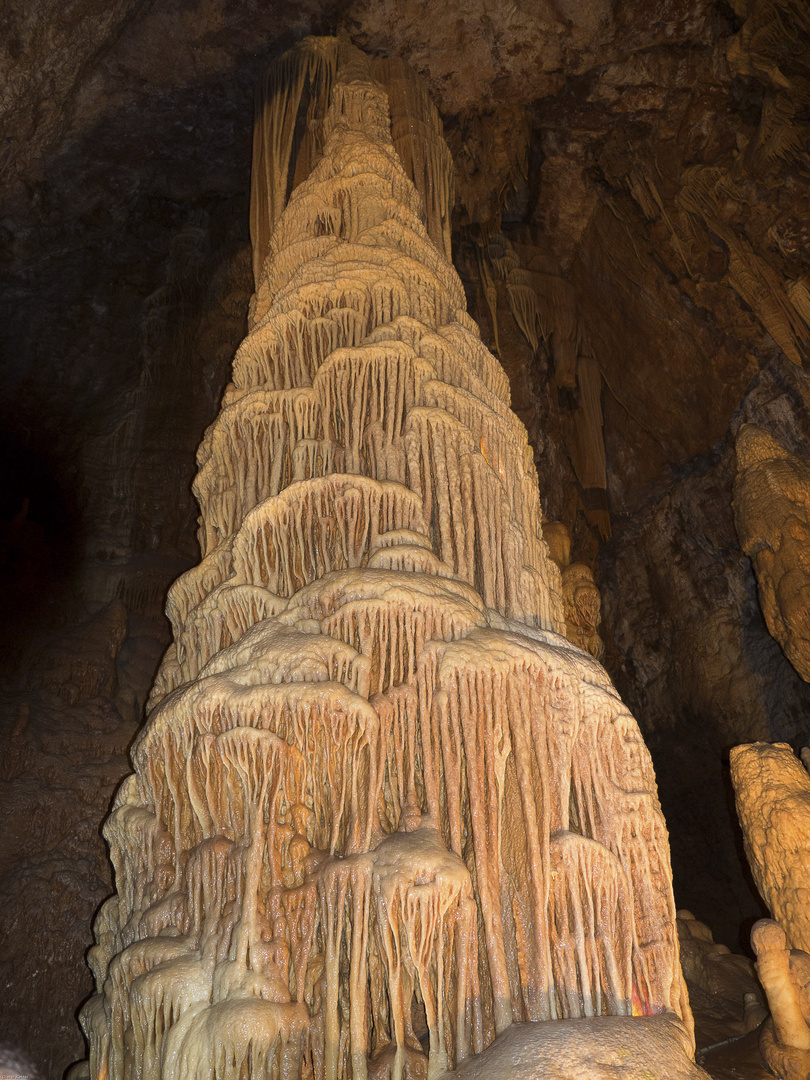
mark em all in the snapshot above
pixel 380 809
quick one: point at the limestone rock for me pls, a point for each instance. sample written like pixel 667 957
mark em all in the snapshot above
pixel 126 121
pixel 597 1048
pixel 786 1062
pixel 80 664
pixel 772 791
pixel 772 515
pixel 15 1064
pixel 581 600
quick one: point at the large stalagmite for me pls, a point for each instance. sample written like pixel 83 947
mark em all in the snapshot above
pixel 381 810
pixel 772 515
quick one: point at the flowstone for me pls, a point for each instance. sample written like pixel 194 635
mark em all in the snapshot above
pixel 381 808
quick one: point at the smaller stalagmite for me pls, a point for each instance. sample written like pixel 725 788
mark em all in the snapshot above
pixel 785 1037
pixel 772 515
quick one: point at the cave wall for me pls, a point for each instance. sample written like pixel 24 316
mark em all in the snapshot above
pixel 126 276
pixel 78 670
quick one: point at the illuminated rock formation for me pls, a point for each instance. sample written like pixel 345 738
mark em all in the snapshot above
pixel 772 791
pixel 380 809
pixel 729 980
pixel 583 608
pixel 785 1038
pixel 772 515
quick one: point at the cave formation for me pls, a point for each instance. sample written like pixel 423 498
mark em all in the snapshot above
pixel 627 218
pixel 374 782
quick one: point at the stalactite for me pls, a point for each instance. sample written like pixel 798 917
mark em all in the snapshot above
pixel 380 809
pixel 278 97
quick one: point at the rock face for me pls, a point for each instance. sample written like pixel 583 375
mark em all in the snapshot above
pixel 64 748
pixel 772 515
pixel 380 810
pixel 772 790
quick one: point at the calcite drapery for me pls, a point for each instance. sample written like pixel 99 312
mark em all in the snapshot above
pixel 380 810
pixel 582 603
pixel 544 305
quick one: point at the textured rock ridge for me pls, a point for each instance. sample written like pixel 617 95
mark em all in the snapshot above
pixel 381 809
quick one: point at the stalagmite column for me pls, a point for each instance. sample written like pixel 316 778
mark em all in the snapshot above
pixel 380 809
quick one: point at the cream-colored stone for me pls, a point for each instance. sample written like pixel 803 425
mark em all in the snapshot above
pixel 558 538
pixel 772 790
pixel 785 1062
pixel 773 967
pixel 583 609
pixel 581 600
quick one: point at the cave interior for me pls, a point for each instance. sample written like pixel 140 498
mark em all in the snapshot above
pixel 643 165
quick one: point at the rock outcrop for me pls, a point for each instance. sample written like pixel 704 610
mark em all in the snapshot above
pixel 772 791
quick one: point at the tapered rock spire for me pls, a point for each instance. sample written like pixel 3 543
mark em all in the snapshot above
pixel 380 809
